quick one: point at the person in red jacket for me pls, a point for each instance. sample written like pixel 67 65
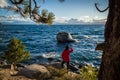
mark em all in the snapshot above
pixel 66 56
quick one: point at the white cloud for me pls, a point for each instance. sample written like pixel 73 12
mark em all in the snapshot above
pixel 14 19
pixel 3 3
pixel 61 19
pixel 72 20
pixel 17 18
pixel 81 20
pixel 85 18
pixel 99 21
pixel 77 21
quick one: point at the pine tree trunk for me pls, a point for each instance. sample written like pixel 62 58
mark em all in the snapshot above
pixel 110 65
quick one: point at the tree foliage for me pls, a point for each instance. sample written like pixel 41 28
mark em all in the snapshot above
pixel 30 8
pixel 16 51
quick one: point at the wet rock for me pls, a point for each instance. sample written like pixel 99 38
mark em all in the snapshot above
pixel 20 65
pixel 73 67
pixel 50 59
pixel 56 65
pixel 59 60
pixel 80 66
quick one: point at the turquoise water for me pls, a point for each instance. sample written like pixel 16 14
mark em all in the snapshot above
pixel 41 41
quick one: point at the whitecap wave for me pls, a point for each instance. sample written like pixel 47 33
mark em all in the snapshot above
pixel 50 55
pixel 86 36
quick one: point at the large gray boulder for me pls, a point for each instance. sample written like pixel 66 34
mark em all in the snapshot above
pixel 34 71
pixel 64 37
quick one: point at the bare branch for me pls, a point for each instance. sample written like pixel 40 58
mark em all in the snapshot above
pixel 30 8
pixel 99 9
pixel 35 3
pixel 16 2
pixel 20 11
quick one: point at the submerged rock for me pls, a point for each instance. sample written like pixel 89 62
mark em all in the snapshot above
pixel 64 37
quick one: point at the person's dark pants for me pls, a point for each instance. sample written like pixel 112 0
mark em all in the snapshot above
pixel 63 62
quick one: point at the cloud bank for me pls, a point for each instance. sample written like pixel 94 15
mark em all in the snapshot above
pixel 82 20
pixel 15 19
pixel 3 3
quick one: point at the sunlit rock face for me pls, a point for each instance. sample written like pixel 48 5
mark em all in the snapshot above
pixel 34 71
pixel 63 37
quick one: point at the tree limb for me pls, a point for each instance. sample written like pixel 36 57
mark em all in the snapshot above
pixel 35 3
pixel 99 9
pixel 16 2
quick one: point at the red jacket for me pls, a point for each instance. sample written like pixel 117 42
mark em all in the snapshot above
pixel 66 55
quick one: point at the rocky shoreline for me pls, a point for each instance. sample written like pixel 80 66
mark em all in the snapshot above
pixel 29 72
pixel 33 71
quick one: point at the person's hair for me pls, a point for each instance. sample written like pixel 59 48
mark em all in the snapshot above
pixel 67 47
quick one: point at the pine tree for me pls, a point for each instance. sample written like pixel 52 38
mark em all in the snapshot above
pixel 16 52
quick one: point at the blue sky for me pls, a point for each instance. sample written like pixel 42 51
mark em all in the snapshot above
pixel 75 8
pixel 68 12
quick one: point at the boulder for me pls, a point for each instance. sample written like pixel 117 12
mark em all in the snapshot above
pixel 64 37
pixel 34 71
pixel 56 65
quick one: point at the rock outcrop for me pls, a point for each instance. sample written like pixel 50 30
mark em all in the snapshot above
pixel 58 66
pixel 64 37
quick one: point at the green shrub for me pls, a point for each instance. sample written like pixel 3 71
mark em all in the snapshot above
pixel 62 74
pixel 89 73
pixel 57 72
pixel 86 73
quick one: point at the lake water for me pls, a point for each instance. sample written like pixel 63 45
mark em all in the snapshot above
pixel 41 41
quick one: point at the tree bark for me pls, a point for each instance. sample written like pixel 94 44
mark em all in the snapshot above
pixel 110 65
